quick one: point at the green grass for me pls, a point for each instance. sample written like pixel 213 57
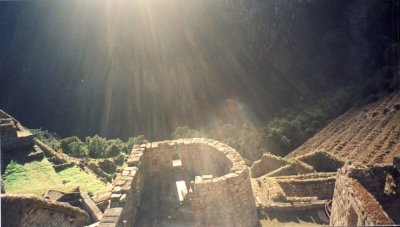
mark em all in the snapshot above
pixel 34 177
pixel 72 177
pixel 37 177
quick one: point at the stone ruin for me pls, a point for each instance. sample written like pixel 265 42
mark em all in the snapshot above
pixel 31 211
pixel 12 134
pixel 196 182
pixel 79 199
pixel 295 185
pixel 202 182
pixel 349 195
pixel 366 195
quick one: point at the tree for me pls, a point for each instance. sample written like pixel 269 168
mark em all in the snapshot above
pixel 135 140
pixel 185 132
pixel 96 146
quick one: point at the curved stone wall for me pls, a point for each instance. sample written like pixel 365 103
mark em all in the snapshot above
pixel 221 190
pixel 198 157
pixel 218 181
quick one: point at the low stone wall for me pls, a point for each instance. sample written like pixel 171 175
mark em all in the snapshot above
pixel 294 168
pixel 308 176
pixel 63 166
pixel 353 205
pixel 267 164
pixel 295 206
pixel 50 153
pixel 266 190
pixel 28 210
pixel 99 172
pixel 302 167
pixel 282 171
pixel 322 161
pixel 322 186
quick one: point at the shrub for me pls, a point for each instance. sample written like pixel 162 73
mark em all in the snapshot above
pixel 96 146
pixel 46 137
pixel 135 140
pixel 185 132
pixel 74 146
pixel 119 160
pixel 108 166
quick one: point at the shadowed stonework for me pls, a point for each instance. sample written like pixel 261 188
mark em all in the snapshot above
pixel 28 210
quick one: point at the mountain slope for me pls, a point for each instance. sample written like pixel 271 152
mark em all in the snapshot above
pixel 368 135
pixel 123 68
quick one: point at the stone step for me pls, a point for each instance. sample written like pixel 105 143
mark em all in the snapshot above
pixel 60 167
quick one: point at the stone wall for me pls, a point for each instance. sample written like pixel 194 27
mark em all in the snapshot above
pixel 224 201
pixel 293 193
pixel 220 191
pixel 319 185
pixel 8 133
pixel 30 211
pixel 294 168
pixel 267 164
pixel 294 206
pixel 126 194
pixel 271 165
pixel 56 157
pixel 353 205
pixel 197 157
pixel 373 179
pixel 322 161
pixel 13 135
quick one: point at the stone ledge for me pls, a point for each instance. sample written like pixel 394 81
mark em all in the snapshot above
pixel 295 206
pixel 43 203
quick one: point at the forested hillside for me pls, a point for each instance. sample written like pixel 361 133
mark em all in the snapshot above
pixel 263 74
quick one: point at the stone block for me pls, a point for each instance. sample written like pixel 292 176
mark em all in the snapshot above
pixel 122 199
pixel 116 189
pixel 131 168
pixel 120 182
pixel 115 196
